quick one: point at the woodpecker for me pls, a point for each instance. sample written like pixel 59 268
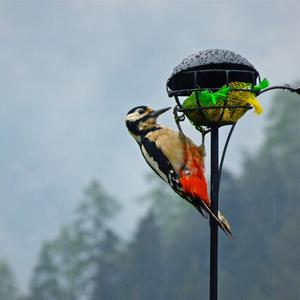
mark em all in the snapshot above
pixel 174 158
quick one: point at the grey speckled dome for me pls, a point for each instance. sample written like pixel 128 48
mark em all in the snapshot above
pixel 211 57
pixel 210 69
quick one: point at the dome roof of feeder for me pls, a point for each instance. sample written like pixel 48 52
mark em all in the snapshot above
pixel 184 76
pixel 210 57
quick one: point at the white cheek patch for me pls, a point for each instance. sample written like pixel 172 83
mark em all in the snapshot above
pixel 133 117
pixel 154 164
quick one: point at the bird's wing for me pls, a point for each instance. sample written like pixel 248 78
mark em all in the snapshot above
pixel 159 163
pixel 186 159
pixel 171 144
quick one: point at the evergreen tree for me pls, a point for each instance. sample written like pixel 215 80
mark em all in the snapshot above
pixel 145 263
pixel 170 210
pixel 267 202
pixel 45 283
pixel 108 277
pixel 67 265
pixel 93 223
pixel 168 257
pixel 8 288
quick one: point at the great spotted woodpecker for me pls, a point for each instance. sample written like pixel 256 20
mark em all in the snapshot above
pixel 173 157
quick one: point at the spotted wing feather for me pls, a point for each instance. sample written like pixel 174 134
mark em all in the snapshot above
pixel 160 163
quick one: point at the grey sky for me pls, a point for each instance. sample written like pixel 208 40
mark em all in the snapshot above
pixel 70 71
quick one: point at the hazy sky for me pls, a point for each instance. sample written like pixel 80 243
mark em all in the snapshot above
pixel 70 71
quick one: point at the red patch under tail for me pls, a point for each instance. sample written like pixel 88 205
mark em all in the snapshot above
pixel 192 176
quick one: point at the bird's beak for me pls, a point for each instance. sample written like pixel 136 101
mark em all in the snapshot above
pixel 158 112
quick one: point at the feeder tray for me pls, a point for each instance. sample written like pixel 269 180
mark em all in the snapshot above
pixel 220 75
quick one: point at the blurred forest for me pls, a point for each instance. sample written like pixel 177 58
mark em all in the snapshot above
pixel 168 256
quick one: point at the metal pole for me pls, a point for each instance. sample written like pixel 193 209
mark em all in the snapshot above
pixel 214 195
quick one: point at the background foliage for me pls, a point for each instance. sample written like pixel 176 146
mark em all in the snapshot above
pixel 168 256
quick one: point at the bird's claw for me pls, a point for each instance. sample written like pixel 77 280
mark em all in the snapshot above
pixel 178 118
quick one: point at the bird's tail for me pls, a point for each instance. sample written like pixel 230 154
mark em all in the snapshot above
pixel 224 224
pixel 193 182
pixel 196 187
pixel 220 219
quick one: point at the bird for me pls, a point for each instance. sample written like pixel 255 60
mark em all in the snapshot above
pixel 174 158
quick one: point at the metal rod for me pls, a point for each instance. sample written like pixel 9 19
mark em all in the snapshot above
pixel 187 92
pixel 224 153
pixel 247 106
pixel 280 87
pixel 177 101
pixel 214 195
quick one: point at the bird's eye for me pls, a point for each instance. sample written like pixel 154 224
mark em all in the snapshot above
pixel 141 111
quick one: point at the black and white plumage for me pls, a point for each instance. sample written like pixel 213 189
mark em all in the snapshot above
pixel 141 123
pixel 174 158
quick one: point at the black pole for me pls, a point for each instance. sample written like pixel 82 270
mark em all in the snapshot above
pixel 214 196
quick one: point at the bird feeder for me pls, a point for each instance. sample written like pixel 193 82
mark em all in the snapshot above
pixel 220 87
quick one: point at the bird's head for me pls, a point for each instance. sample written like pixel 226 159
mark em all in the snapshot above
pixel 142 119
